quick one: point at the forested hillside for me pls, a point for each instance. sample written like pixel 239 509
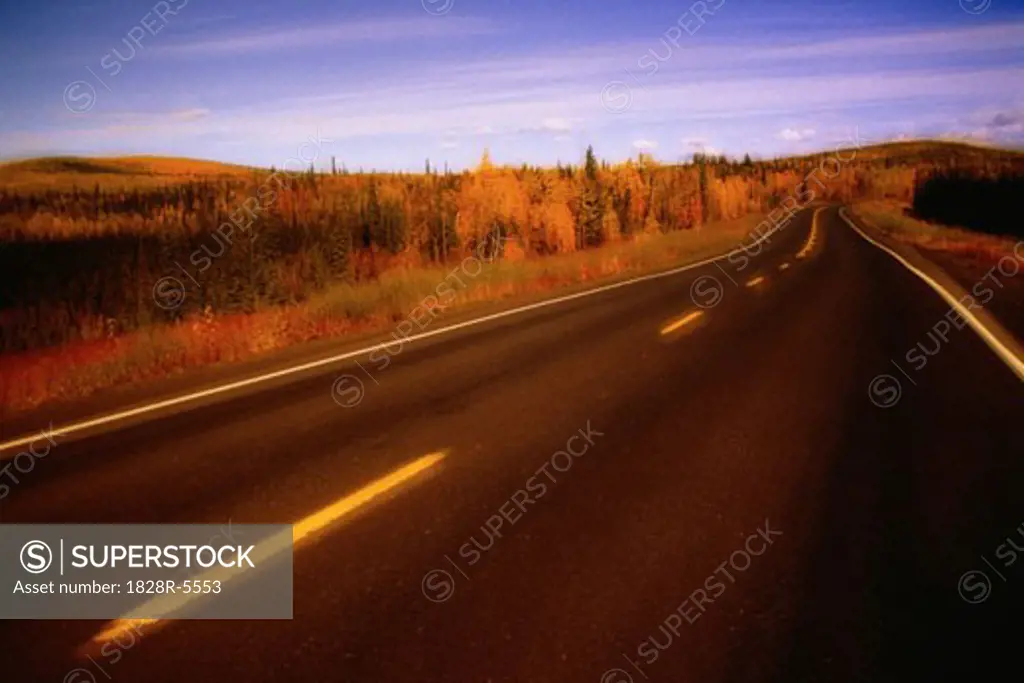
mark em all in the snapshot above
pixel 85 260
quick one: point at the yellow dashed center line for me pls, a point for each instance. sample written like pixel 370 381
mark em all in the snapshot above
pixel 268 548
pixel 755 281
pixel 784 266
pixel 332 513
pixel 813 238
pixel 682 322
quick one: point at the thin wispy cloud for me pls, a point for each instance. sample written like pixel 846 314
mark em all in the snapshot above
pixel 193 114
pixel 406 85
pixel 548 124
pixel 351 32
pixel 955 41
pixel 616 60
pixel 418 110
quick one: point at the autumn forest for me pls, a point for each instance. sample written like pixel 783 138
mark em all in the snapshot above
pixel 86 263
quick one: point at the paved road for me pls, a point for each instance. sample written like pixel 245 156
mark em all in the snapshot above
pixel 738 473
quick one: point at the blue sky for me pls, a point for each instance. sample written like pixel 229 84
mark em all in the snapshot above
pixel 388 84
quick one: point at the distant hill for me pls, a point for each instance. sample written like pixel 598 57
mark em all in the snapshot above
pixel 913 152
pixel 61 173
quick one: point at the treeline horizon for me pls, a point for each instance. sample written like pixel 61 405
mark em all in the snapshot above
pixel 84 263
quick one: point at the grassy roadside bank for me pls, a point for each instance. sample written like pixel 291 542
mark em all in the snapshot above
pixel 893 219
pixel 73 371
pixel 989 267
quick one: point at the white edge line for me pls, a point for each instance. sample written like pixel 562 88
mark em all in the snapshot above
pixel 1004 353
pixel 213 391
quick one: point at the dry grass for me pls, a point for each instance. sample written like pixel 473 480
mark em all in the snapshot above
pixel 975 260
pixel 63 173
pixel 892 219
pixel 77 370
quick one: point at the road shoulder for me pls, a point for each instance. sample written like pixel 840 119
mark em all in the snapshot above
pixel 966 303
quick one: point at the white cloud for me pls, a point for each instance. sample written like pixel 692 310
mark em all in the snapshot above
pixel 645 144
pixel 484 130
pixel 794 135
pixel 700 146
pixel 708 150
pixel 978 137
pixel 557 125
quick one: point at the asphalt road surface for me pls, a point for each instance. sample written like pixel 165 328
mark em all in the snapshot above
pixel 749 502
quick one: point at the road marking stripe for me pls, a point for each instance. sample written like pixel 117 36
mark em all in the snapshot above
pixel 784 266
pixel 213 391
pixel 335 511
pixel 1001 350
pixel 685 320
pixel 273 546
pixel 813 237
pixel 755 281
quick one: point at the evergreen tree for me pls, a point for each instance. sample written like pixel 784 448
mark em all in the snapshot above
pixel 591 165
pixel 703 166
pixel 589 218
